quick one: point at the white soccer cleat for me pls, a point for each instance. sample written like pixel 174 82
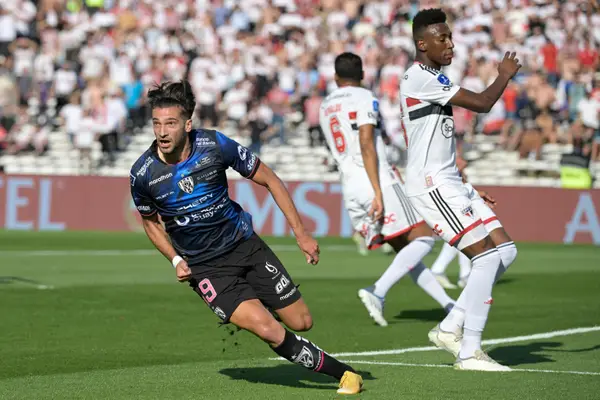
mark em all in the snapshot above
pixel 374 305
pixel 449 341
pixel 480 362
pixel 361 245
pixel 444 281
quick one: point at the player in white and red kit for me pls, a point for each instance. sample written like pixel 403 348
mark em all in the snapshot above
pixel 435 187
pixel 348 119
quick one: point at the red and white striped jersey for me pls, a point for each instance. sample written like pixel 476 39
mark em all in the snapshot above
pixel 341 114
pixel 429 129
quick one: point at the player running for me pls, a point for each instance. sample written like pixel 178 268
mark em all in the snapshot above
pixel 209 238
pixel 435 188
pixel 348 118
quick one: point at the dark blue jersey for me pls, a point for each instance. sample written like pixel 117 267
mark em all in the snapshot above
pixel 192 197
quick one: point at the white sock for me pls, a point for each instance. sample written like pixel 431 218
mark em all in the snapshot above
pixel 444 259
pixel 465 265
pixel 508 253
pixel 425 279
pixel 478 294
pixel 406 258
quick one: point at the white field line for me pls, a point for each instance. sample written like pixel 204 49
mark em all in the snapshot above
pixel 547 371
pixel 537 336
pixel 148 252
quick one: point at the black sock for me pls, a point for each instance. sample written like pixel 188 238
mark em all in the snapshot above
pixel 300 351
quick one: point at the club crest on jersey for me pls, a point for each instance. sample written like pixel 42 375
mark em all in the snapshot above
pixel 186 184
pixel 447 127
pixel 468 211
pixel 443 79
pixel 242 152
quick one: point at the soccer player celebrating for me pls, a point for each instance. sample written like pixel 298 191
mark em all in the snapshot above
pixel 435 187
pixel 209 238
pixel 348 118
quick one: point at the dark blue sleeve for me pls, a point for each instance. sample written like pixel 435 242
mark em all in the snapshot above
pixel 238 157
pixel 142 201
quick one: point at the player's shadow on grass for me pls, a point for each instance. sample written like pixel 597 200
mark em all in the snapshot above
pixel 287 375
pixel 524 354
pixel 433 315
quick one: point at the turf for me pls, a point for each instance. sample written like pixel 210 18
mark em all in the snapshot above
pixel 116 325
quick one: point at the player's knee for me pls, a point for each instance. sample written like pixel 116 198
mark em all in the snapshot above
pixel 509 252
pixel 269 330
pixel 301 323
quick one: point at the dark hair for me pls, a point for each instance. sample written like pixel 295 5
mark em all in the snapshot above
pixel 173 94
pixel 349 66
pixel 424 18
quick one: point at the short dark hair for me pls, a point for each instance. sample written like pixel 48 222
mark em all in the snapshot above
pixel 424 18
pixel 173 94
pixel 349 66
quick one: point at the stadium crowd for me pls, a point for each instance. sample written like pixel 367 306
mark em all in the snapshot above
pixel 86 65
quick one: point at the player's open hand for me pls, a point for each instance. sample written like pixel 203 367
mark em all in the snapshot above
pixel 309 247
pixel 509 66
pixel 376 211
pixel 489 200
pixel 183 271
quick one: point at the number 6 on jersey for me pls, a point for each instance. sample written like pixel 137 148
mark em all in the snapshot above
pixel 338 136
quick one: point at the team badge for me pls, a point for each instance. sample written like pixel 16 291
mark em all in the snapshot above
pixel 186 184
pixel 468 211
pixel 443 79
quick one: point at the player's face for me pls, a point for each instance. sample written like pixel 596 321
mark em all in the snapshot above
pixel 438 43
pixel 170 128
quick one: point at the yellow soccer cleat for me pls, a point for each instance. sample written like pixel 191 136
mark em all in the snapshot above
pixel 351 383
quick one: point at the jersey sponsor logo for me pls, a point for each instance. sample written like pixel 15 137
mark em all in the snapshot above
pixel 144 167
pixel 162 196
pixel 131 179
pixel 251 162
pixel 282 284
pixel 288 294
pixel 196 202
pixel 242 152
pixel 428 181
pixel 203 214
pixel 389 219
pixel 204 162
pixel 332 109
pixel 160 179
pixel 375 106
pixel 220 313
pixel 443 79
pixel 186 184
pixel 144 208
pixel 305 358
pixel 447 127
pixel 207 176
pixel 271 268
pixel 437 229
pixel 204 141
pixel 182 221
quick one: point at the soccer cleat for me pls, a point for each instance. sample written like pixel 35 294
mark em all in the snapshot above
pixel 449 341
pixel 351 383
pixel 462 282
pixel 479 362
pixel 374 304
pixel 444 281
pixel 361 245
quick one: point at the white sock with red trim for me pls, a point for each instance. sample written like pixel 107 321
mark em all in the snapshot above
pixel 444 259
pixel 406 258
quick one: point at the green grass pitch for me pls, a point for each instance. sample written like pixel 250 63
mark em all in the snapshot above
pixel 81 322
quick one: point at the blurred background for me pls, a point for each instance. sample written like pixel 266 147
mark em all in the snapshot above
pixel 74 76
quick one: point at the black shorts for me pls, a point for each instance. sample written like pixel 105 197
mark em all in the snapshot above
pixel 249 271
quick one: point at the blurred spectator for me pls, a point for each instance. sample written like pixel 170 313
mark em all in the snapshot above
pixel 86 135
pixel 71 116
pixel 312 107
pixel 257 126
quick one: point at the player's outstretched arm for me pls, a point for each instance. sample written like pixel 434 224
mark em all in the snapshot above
pixel 484 101
pixel 265 176
pixel 366 135
pixel 160 239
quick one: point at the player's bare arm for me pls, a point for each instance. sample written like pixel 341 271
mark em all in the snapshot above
pixel 484 101
pixel 366 134
pixel 158 236
pixel 266 177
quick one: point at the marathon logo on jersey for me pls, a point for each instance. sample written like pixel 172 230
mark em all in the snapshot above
pixel 186 184
pixel 289 294
pixel 282 284
pixel 144 168
pixel 468 211
pixel 242 152
pixel 160 179
pixel 204 142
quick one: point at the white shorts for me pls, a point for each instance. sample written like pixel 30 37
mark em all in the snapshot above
pixel 400 216
pixel 488 217
pixel 450 212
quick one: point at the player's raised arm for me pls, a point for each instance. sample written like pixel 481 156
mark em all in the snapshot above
pixel 265 176
pixel 484 101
